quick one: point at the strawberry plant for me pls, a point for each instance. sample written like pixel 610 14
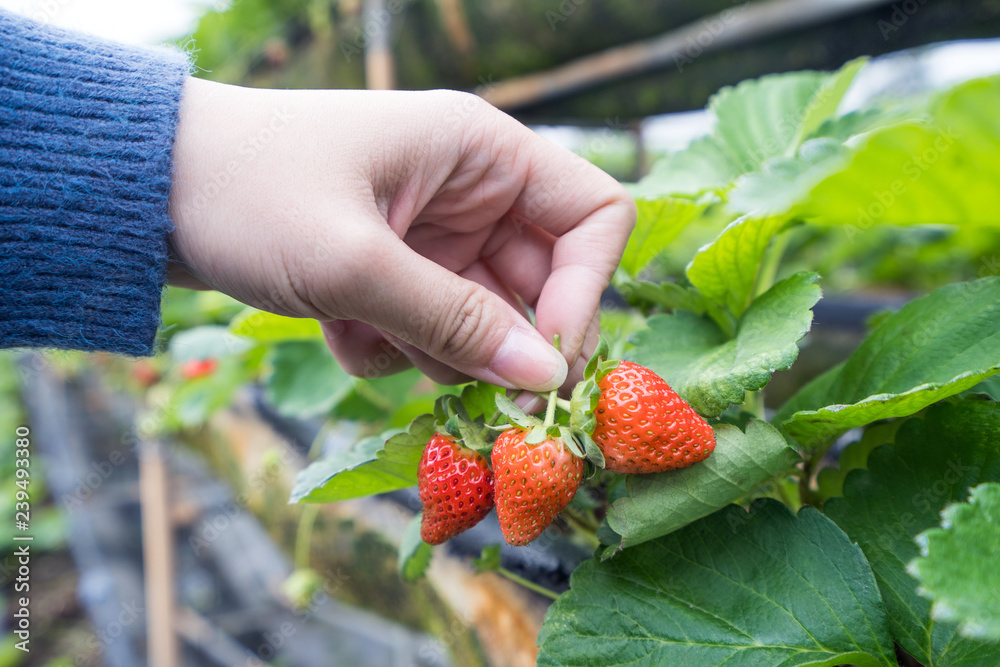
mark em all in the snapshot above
pixel 853 521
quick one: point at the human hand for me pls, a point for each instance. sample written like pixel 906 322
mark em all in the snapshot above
pixel 414 223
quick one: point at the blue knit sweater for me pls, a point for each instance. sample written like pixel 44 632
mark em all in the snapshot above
pixel 86 132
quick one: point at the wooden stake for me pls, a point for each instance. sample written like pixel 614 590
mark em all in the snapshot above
pixel 158 557
pixel 737 25
pixel 380 71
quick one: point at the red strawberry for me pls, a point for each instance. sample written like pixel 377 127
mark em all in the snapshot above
pixel 533 483
pixel 643 426
pixel 456 488
pixel 198 368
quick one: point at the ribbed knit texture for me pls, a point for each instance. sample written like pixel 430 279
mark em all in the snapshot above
pixel 86 133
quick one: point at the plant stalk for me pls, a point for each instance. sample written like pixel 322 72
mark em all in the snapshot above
pixel 530 585
pixel 581 528
pixel 769 267
pixel 303 537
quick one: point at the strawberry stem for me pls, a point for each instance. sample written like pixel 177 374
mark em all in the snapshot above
pixel 541 590
pixel 550 409
pixel 564 404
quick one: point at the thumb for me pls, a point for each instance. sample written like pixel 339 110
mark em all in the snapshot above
pixel 457 321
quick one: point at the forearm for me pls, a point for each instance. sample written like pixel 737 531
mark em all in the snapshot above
pixel 86 133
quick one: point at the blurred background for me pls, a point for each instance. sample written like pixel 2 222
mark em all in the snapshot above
pixel 160 486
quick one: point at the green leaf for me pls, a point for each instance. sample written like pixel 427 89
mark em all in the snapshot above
pixel 784 182
pixel 754 122
pixel 824 103
pixel 711 371
pixel 306 380
pixel 414 553
pixel 958 565
pixel 701 167
pixel 666 295
pixel 933 462
pixel 662 503
pixel 770 116
pixel 726 269
pixel 830 480
pixel 489 559
pixel 990 387
pixel 659 223
pixel 862 121
pixel 940 172
pixel 736 588
pixel 267 327
pixel 373 465
pixel 934 347
pixel 206 342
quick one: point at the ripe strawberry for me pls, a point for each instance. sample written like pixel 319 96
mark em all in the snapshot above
pixel 643 426
pixel 456 488
pixel 533 483
pixel 145 373
pixel 193 369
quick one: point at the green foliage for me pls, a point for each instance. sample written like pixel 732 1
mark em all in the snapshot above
pixel 943 171
pixel 830 480
pixel 711 370
pixel 374 465
pixel 934 347
pixel 305 381
pixel 206 342
pixel 267 327
pixel 755 121
pixel 659 504
pixel 957 568
pixel 762 587
pixel 414 553
pixel 726 271
pixel 658 224
pixel 932 463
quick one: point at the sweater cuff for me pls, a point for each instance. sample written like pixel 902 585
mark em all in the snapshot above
pixel 86 133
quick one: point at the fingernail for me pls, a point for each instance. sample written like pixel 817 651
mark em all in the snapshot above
pixel 526 361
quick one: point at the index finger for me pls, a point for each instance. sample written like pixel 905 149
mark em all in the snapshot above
pixel 591 215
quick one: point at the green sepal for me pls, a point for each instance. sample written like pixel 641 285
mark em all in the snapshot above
pixel 514 413
pixel 569 439
pixel 536 435
pixel 451 427
pixel 583 402
pixel 606 367
pixel 440 410
pixel 474 436
pixel 489 559
pixel 600 354
pixel 594 453
pixel 500 428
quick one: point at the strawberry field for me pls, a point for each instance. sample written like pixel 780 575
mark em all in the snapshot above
pixel 850 517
